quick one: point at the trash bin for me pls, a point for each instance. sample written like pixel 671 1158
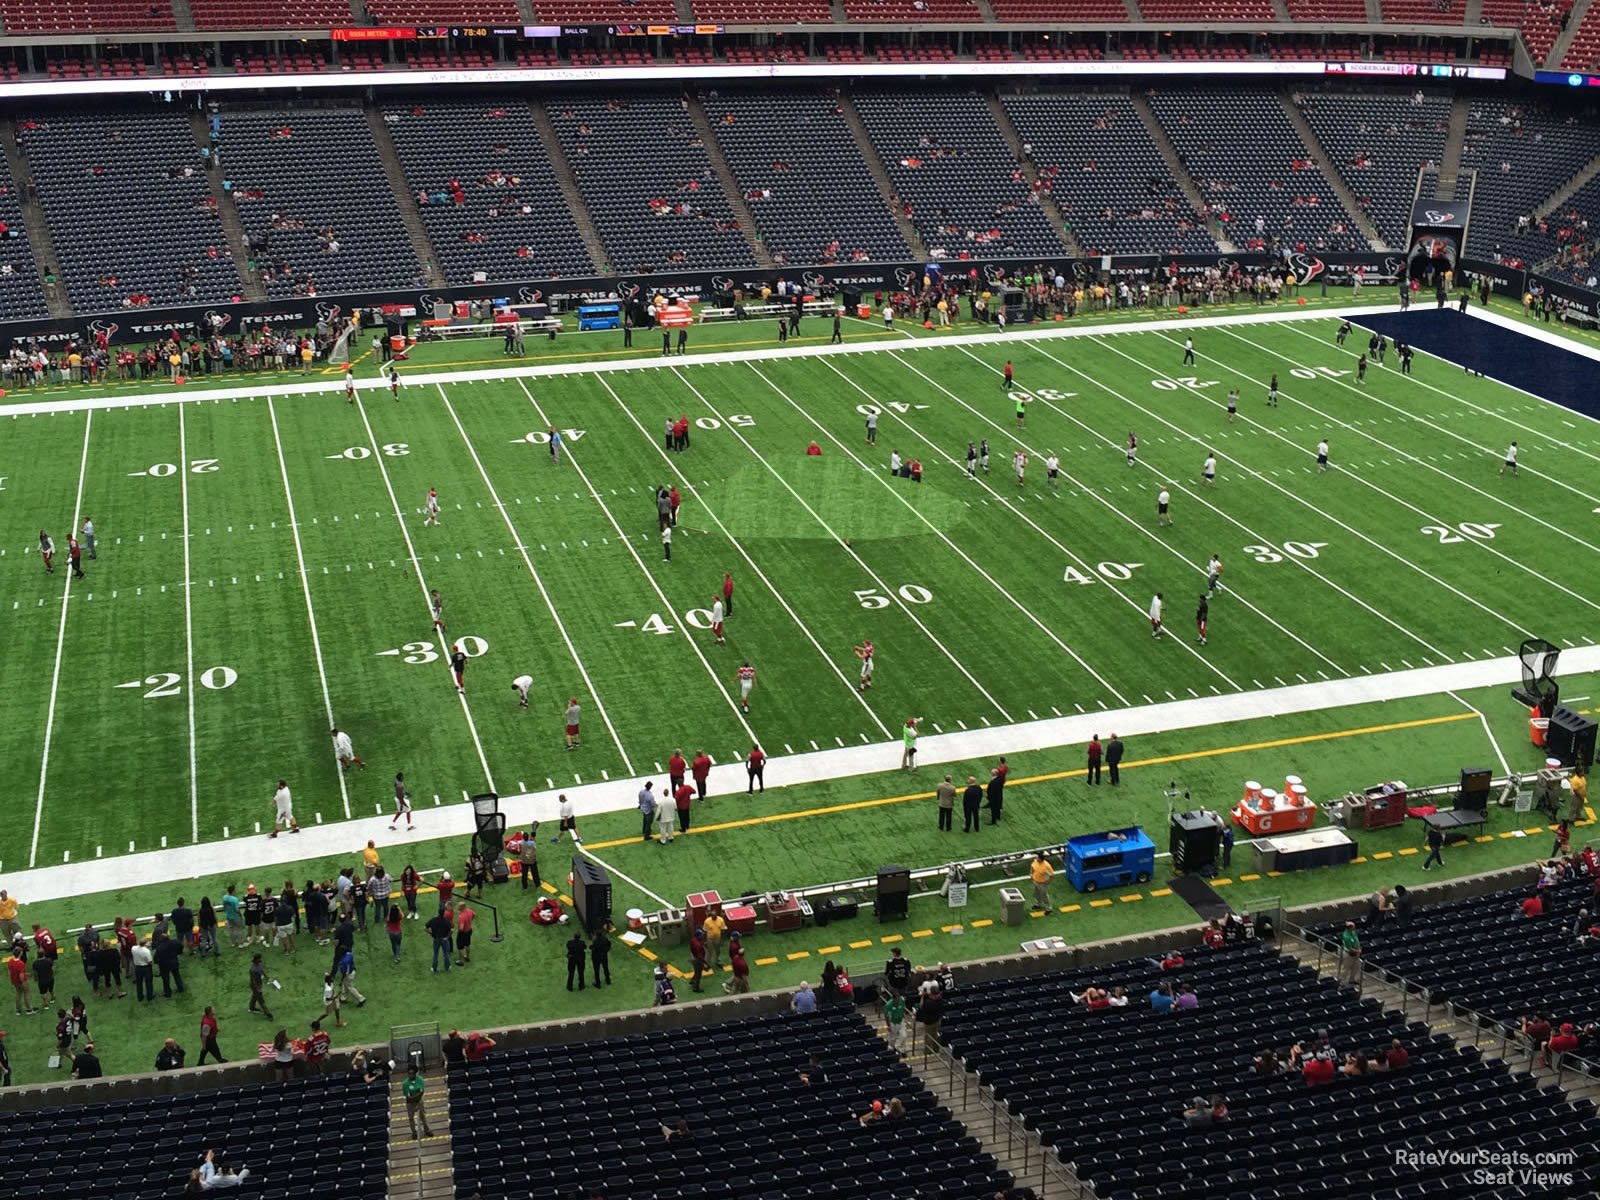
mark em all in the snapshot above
pixel 1013 908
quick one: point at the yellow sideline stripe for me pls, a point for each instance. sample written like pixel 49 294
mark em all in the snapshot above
pixel 1187 756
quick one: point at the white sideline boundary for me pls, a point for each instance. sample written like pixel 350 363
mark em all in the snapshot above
pixel 242 859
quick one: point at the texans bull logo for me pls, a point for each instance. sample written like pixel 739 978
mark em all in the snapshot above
pixel 1306 267
pixel 1082 271
pixel 905 277
pixel 1391 265
pixel 814 281
pixel 1435 216
pixel 722 283
pixel 994 273
pixel 530 295
pixel 328 313
pixel 628 291
pixel 425 303
pixel 217 320
pixel 109 328
pixel 1225 265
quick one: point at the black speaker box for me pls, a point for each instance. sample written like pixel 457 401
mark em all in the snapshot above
pixel 591 893
pixel 1571 737
pixel 894 881
pixel 893 905
pixel 1195 840
pixel 1474 792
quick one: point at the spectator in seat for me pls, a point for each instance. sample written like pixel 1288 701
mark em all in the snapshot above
pixel 1394 1058
pixel 1212 935
pixel 1563 1041
pixel 1187 1001
pixel 1533 906
pixel 478 1047
pixel 1318 1069
pixel 1267 1063
pixel 1161 999
pixel 1536 1029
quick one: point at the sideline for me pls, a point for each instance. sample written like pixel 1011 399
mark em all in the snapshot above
pixel 257 854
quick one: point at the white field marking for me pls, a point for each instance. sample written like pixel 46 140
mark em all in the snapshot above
pixel 649 576
pixel 1088 569
pixel 1421 512
pixel 721 357
pixel 1142 528
pixel 1429 466
pixel 888 591
pixel 1230 519
pixel 188 629
pixel 1487 732
pixel 587 853
pixel 522 550
pixel 61 642
pixel 749 561
pixel 899 494
pixel 1495 453
pixel 411 549
pixel 1304 451
pixel 305 589
pixel 245 855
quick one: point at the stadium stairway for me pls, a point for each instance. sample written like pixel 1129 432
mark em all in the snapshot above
pixel 1472 14
pixel 419 1168
pixel 404 197
pixel 1563 43
pixel 1374 12
pixel 228 214
pixel 730 186
pixel 1440 1018
pixel 1570 188
pixel 1002 121
pixel 34 223
pixel 569 188
pixel 184 17
pixel 1319 154
pixel 1280 11
pixel 1177 171
pixel 1455 139
pixel 869 155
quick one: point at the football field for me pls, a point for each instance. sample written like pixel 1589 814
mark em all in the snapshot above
pixel 264 566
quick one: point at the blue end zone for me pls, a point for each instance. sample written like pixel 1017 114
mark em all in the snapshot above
pixel 1558 375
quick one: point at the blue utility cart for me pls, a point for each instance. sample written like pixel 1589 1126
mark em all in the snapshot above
pixel 1113 859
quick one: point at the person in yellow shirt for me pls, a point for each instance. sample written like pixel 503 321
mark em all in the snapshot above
pixel 1042 875
pixel 8 919
pixel 370 857
pixel 715 927
pixel 1578 781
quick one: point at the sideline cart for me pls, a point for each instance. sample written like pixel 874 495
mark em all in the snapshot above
pixel 1113 859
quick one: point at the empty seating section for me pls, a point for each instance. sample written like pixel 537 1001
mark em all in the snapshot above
pixel 1324 12
pixel 755 1132
pixel 607 11
pixel 1376 141
pixel 1539 21
pixel 764 12
pixel 1111 182
pixel 1584 52
pixel 495 153
pixel 1247 159
pixel 86 16
pixel 315 202
pixel 460 12
pixel 1424 12
pixel 128 225
pixel 160 1139
pixel 1207 10
pixel 796 161
pixel 1073 11
pixel 1482 953
pixel 894 12
pixel 20 295
pixel 648 184
pixel 1522 155
pixel 1108 1088
pixel 250 14
pixel 948 162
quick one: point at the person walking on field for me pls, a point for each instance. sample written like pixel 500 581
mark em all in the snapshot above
pixel 727 593
pixel 1093 773
pixel 755 767
pixel 1041 873
pixel 908 756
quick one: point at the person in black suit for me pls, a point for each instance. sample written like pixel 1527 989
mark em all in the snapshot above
pixel 577 959
pixel 1114 759
pixel 971 802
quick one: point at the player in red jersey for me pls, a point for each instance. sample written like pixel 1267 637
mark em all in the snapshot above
pixel 716 619
pixel 747 684
pixel 430 507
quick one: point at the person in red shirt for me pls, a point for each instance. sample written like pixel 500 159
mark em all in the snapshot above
pixel 740 983
pixel 1093 772
pixel 1533 906
pixel 317 1046
pixel 1318 1070
pixel 1212 935
pixel 701 770
pixel 125 940
pixel 18 967
pixel 755 767
pixel 814 450
pixel 682 796
pixel 478 1046
pixel 1563 1041
pixel 46 942
pixel 675 499
pixel 1172 960
pixel 464 919
pixel 208 1037
pixel 1396 1056
pixel 676 769
pixel 446 887
pixel 727 593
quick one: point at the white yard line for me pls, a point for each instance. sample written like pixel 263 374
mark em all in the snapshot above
pixel 189 681
pixel 1455 479
pixel 1505 767
pixel 891 593
pixel 422 583
pixel 628 879
pixel 305 588
pixel 855 693
pixel 1495 453
pixel 666 605
pixel 617 795
pixel 61 645
pixel 1307 452
pixel 516 538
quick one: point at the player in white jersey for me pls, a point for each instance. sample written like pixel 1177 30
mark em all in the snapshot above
pixel 283 810
pixel 716 619
pixel 1163 506
pixel 1019 464
pixel 1213 575
pixel 1052 469
pixel 436 604
pixel 747 684
pixel 345 752
pixel 349 385
pixel 430 508
pixel 1155 615
pixel 1511 460
pixel 402 801
pixel 864 653
pixel 393 373
pixel 1208 469
pixel 521 685
pixel 1322 455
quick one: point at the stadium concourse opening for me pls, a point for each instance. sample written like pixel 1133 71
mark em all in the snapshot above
pixel 1539 366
